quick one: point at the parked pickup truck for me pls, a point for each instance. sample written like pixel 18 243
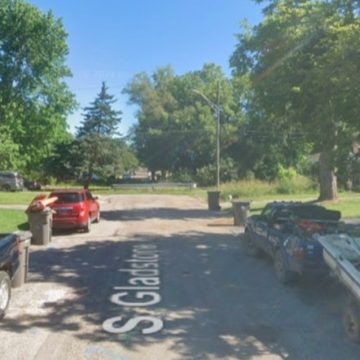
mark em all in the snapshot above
pixel 9 265
pixel 285 231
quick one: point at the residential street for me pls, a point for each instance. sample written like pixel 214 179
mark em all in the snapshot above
pixel 212 301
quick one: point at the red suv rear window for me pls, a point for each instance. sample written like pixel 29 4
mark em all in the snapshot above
pixel 68 198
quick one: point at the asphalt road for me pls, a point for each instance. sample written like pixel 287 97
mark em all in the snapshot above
pixel 210 301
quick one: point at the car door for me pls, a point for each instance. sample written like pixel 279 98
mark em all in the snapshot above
pixel 278 229
pixel 261 228
pixel 275 237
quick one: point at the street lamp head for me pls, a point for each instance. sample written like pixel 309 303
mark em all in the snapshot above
pixel 213 106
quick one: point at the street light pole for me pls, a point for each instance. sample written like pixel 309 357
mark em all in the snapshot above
pixel 217 113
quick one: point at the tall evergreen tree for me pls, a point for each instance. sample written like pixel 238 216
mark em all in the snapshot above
pixel 100 118
pixel 96 134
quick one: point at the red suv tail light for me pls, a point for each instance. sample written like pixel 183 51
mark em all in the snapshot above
pixel 79 209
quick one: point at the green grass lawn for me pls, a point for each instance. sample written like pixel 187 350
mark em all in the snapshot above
pixel 348 204
pixel 12 220
pixel 350 208
pixel 17 198
pixel 25 197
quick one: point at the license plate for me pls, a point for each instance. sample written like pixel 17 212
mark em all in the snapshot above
pixel 63 211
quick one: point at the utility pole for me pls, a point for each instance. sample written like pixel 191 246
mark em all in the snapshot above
pixel 218 137
pixel 217 112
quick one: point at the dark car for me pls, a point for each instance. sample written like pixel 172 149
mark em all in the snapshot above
pixel 9 265
pixel 32 184
pixel 75 209
pixel 285 231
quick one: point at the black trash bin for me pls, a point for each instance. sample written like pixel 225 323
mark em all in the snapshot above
pixel 240 211
pixel 214 200
pixel 21 276
pixel 40 226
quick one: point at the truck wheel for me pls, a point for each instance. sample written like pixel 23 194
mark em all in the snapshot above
pixel 250 246
pixel 351 319
pixel 5 292
pixel 282 273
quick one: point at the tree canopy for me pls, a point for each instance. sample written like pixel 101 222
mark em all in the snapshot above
pixel 303 64
pixel 34 98
pixel 176 127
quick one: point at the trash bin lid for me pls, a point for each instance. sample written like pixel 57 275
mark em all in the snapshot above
pixel 24 235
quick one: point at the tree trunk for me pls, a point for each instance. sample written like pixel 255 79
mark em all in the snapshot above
pixel 328 181
pixel 163 175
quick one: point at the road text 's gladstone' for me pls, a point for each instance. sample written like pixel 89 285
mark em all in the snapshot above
pixel 142 290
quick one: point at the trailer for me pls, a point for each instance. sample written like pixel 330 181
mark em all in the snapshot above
pixel 342 254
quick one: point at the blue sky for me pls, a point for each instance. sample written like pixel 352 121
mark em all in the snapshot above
pixel 112 40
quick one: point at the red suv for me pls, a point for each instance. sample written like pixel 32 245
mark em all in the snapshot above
pixel 75 209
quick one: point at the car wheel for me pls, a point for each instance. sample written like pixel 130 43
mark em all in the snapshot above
pixel 250 246
pixel 5 292
pixel 98 217
pixel 351 320
pixel 282 273
pixel 87 228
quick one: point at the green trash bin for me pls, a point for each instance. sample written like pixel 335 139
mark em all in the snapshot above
pixel 21 275
pixel 214 200
pixel 40 226
pixel 240 212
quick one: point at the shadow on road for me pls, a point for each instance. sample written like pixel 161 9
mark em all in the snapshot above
pixel 216 301
pixel 161 213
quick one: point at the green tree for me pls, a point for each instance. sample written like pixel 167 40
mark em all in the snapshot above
pixel 100 118
pixel 65 162
pixel 155 101
pixel 303 61
pixel 9 151
pixel 96 133
pixel 176 130
pixel 34 98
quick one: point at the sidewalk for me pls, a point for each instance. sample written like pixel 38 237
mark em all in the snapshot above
pixel 14 207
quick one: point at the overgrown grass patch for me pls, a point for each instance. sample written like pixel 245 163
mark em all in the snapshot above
pixel 12 220
pixel 250 189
